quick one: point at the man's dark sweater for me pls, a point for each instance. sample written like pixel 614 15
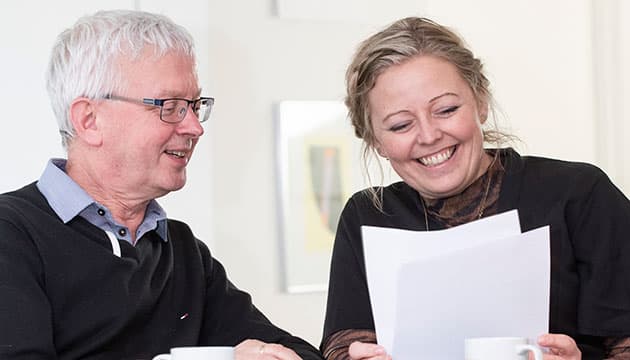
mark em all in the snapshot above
pixel 64 294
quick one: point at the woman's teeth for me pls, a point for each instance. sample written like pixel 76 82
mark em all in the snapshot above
pixel 437 159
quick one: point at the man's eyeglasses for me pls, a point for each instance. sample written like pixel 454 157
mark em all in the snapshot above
pixel 173 110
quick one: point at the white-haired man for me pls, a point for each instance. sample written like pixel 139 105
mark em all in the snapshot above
pixel 90 266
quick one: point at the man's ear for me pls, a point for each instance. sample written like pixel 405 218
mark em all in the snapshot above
pixel 83 118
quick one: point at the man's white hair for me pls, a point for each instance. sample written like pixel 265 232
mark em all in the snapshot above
pixel 83 62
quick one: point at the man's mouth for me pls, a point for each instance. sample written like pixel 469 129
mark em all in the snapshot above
pixel 179 154
pixel 437 158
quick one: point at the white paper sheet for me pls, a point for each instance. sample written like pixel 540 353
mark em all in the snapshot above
pixel 500 288
pixel 387 249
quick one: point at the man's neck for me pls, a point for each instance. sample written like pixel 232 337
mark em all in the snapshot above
pixel 125 209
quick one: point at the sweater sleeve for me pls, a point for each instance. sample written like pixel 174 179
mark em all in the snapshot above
pixel 599 223
pixel 25 314
pixel 348 305
pixel 231 317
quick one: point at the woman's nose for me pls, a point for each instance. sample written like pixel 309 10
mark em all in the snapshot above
pixel 428 131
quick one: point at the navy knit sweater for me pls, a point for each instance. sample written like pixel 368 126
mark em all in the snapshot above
pixel 65 295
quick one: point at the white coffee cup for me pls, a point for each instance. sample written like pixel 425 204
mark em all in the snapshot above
pixel 500 348
pixel 198 353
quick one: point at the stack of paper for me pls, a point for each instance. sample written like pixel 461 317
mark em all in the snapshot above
pixel 432 289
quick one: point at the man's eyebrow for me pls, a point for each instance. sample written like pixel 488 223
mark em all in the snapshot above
pixel 173 94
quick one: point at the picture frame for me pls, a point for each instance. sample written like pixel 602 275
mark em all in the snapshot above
pixel 318 169
pixel 364 12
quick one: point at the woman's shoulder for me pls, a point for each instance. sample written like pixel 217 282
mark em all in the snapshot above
pixel 543 166
pixel 396 205
pixel 384 201
pixel 561 177
pixel 562 168
pixel 392 192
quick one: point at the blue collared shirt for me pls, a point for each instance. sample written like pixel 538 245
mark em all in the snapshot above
pixel 69 200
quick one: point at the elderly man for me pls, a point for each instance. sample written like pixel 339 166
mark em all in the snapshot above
pixel 90 266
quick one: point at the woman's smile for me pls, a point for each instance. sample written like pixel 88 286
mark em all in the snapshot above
pixel 437 158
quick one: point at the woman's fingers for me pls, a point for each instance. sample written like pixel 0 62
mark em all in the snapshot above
pixel 359 350
pixel 560 347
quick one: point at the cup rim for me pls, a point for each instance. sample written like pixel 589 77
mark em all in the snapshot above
pixel 489 338
pixel 200 348
pixel 498 339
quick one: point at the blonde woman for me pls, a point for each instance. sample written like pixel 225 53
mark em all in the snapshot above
pixel 418 98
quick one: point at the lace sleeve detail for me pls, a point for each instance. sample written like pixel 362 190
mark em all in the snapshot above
pixel 337 344
pixel 617 348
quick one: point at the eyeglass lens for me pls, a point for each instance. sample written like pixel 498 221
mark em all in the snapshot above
pixel 174 110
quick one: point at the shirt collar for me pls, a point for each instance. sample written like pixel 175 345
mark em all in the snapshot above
pixel 68 199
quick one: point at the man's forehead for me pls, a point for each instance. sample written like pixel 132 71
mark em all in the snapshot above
pixel 151 56
pixel 172 74
pixel 173 93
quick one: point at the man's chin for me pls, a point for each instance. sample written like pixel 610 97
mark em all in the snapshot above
pixel 171 187
pixel 177 186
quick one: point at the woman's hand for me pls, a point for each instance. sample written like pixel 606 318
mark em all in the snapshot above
pixel 363 351
pixel 258 350
pixel 561 347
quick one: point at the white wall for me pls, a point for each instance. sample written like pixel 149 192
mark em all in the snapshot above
pixel 29 132
pixel 539 56
pixel 611 74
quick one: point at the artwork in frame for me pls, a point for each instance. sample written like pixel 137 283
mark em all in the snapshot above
pixel 348 11
pixel 318 170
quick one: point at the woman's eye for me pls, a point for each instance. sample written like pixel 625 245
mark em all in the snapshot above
pixel 448 110
pixel 399 126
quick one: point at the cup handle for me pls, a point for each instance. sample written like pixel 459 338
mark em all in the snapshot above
pixel 522 349
pixel 162 357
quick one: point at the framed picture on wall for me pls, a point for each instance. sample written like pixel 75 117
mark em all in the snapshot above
pixel 318 170
pixel 347 11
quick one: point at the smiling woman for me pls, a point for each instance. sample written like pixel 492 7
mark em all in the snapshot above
pixel 427 122
pixel 419 98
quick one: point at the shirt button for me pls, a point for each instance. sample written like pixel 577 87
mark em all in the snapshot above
pixel 100 212
pixel 122 232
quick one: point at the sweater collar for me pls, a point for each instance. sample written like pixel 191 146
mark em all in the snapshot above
pixel 68 199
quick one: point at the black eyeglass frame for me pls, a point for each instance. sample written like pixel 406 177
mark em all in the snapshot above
pixel 209 102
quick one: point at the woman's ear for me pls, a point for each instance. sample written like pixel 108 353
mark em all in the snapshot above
pixel 483 111
pixel 379 150
pixel 83 118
